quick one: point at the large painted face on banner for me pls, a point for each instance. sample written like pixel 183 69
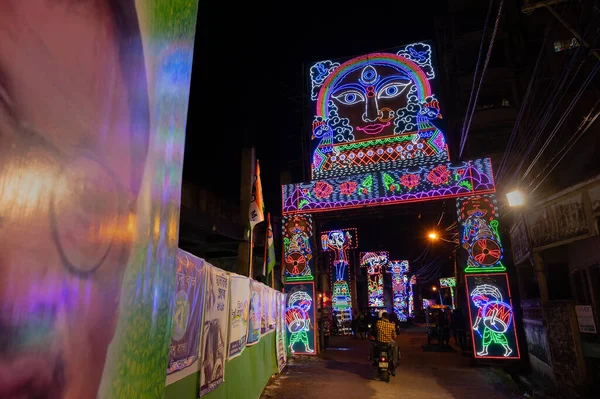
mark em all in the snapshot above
pixel 73 143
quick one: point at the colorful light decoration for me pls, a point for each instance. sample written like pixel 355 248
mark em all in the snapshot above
pixel 375 262
pixel 415 184
pixel 339 242
pixel 400 288
pixel 376 109
pixel 478 217
pixel 449 282
pixel 297 248
pixel 300 317
pixel 492 318
pixel 411 302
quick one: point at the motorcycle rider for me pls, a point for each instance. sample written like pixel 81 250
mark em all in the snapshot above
pixel 386 333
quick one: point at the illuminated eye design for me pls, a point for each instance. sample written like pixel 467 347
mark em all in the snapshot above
pixel 350 97
pixel 392 90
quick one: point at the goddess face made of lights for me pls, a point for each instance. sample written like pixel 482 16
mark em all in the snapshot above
pixel 375 95
pixel 369 99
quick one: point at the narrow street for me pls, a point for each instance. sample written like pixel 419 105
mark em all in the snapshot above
pixel 344 372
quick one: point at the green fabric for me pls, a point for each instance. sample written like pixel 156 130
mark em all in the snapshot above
pixel 245 376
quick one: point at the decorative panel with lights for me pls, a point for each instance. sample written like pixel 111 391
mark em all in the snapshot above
pixel 479 235
pixel 300 318
pixel 401 289
pixel 413 184
pixel 298 258
pixel 377 111
pixel 375 263
pixel 491 313
pixel 338 243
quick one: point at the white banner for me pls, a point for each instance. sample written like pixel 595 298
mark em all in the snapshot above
pixel 266 303
pixel 280 331
pixel 215 323
pixel 255 313
pixel 239 311
pixel 273 296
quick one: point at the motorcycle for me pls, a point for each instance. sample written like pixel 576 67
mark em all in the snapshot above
pixel 383 359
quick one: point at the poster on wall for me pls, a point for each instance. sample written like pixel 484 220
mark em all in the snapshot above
pixel 93 117
pixel 494 333
pixel 264 317
pixel 215 323
pixel 300 318
pixel 273 295
pixel 280 331
pixel 239 314
pixel 187 315
pixel 255 313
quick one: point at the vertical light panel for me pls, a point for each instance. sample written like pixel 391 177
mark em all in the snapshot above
pixel 298 257
pixel 338 243
pixel 300 318
pixel 400 287
pixel 491 313
pixel 375 263
pixel 479 233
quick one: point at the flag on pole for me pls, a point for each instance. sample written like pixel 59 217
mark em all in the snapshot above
pixel 257 212
pixel 270 258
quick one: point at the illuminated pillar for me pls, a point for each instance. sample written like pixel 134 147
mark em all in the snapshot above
pixel 490 306
pixel 375 262
pixel 338 243
pixel 298 275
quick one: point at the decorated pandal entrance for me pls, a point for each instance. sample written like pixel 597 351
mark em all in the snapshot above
pixel 377 139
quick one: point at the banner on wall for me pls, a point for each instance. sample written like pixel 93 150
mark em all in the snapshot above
pixel 272 320
pixel 90 223
pixel 280 330
pixel 264 317
pixel 215 323
pixel 185 330
pixel 239 314
pixel 255 313
pixel 300 317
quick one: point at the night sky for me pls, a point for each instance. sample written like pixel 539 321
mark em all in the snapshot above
pixel 248 88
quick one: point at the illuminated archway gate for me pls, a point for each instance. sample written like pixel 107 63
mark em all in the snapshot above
pixel 377 139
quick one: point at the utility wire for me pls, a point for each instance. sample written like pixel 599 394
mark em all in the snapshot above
pixel 487 17
pixel 524 104
pixel 562 119
pixel 583 127
pixel 487 60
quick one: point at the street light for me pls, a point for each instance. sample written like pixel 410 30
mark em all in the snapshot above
pixel 433 235
pixel 515 198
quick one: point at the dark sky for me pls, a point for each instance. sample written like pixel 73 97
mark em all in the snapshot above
pixel 247 83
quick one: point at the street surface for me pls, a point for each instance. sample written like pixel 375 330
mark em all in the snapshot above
pixel 344 372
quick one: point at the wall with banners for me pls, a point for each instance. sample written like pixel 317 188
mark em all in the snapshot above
pixel 93 121
pixel 226 364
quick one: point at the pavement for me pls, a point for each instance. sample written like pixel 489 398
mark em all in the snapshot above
pixel 344 372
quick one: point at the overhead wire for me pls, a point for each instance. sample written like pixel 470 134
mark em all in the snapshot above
pixel 581 130
pixel 487 60
pixel 487 17
pixel 562 119
pixel 524 104
pixel 550 105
